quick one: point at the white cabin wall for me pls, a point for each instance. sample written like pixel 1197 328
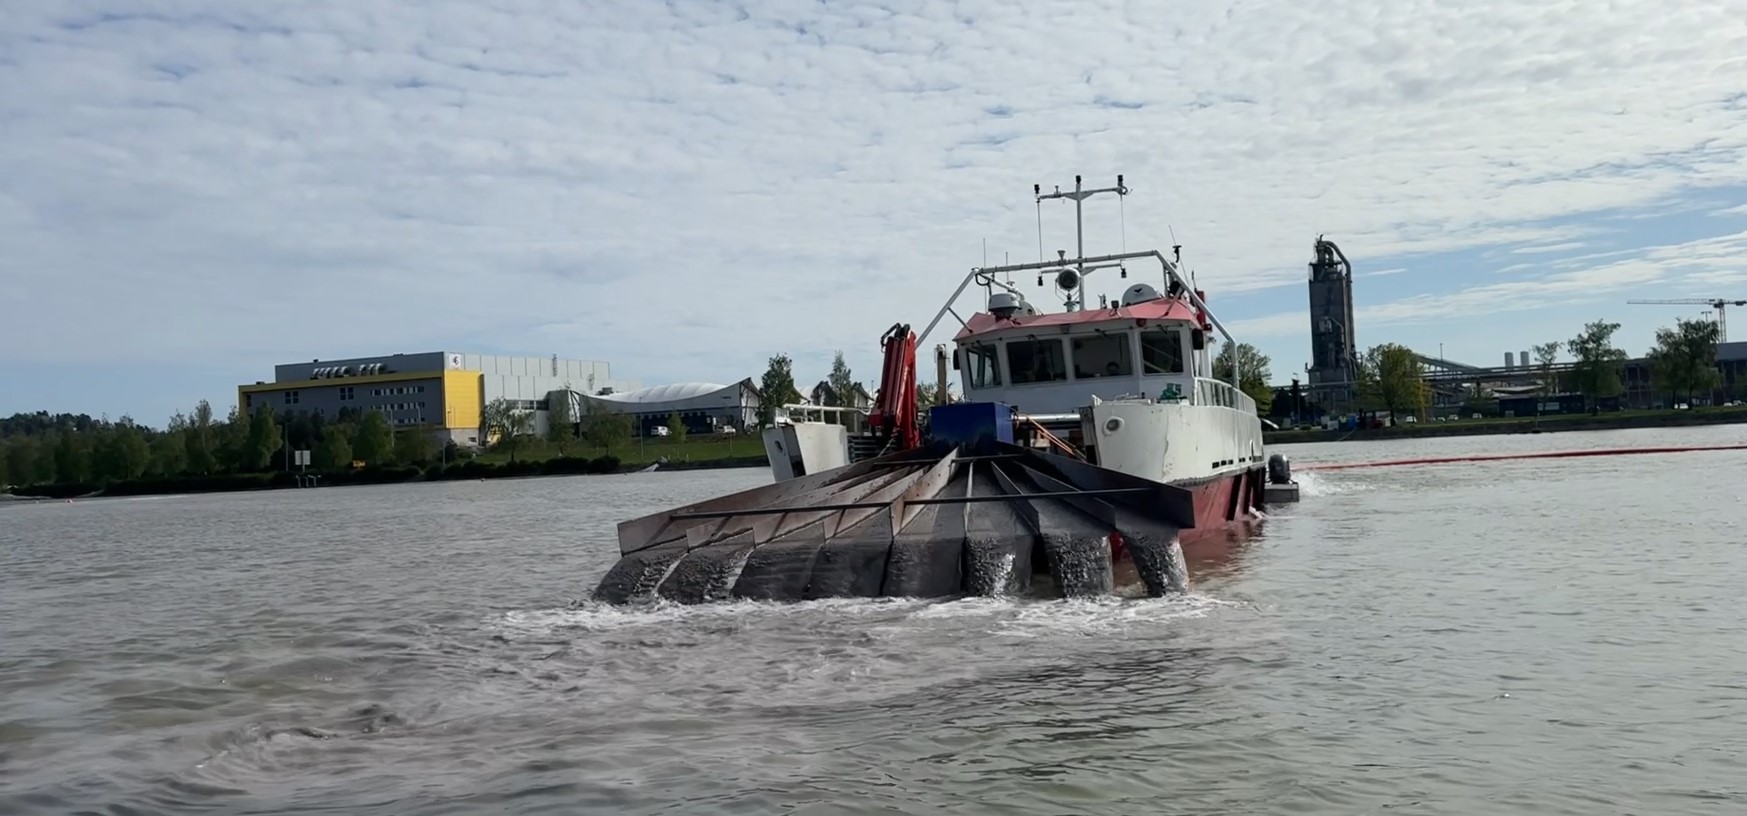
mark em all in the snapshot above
pixel 1174 442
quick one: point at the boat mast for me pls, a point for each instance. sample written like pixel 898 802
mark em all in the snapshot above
pixel 1079 194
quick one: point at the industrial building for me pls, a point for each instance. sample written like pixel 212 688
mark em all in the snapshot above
pixel 1642 391
pixel 703 407
pixel 442 391
pixel 1334 351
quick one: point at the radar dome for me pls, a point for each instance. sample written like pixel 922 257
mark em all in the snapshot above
pixel 1139 293
pixel 1005 304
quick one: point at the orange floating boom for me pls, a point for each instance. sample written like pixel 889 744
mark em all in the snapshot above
pixel 1440 460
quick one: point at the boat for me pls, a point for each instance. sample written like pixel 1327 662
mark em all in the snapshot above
pixel 1089 445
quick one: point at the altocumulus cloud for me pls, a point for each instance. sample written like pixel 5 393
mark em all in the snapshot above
pixel 686 188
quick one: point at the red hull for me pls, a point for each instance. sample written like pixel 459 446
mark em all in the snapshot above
pixel 1222 505
pixel 1224 499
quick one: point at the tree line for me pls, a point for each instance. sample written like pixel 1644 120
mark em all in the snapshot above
pixel 43 448
pixel 1682 362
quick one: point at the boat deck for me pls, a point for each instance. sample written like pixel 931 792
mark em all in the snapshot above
pixel 940 520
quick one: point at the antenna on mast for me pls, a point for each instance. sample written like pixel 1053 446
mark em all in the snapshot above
pixel 1071 281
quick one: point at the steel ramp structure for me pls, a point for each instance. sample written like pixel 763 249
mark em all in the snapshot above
pixel 938 520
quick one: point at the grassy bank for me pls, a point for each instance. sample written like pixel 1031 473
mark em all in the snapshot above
pixel 231 482
pixel 530 458
pixel 711 451
pixel 1514 425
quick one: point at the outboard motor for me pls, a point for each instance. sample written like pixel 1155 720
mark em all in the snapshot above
pixel 1279 469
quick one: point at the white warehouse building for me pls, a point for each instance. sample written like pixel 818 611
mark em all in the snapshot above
pixel 703 407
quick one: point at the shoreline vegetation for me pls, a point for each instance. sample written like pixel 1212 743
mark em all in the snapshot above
pixel 1492 426
pixel 712 454
pixel 75 455
pixel 68 456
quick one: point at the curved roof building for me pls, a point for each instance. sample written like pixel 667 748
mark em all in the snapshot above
pixel 701 404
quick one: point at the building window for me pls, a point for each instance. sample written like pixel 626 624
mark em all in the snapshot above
pixel 1102 355
pixel 421 389
pixel 348 393
pixel 291 398
pixel 1161 351
pixel 984 365
pixel 1034 361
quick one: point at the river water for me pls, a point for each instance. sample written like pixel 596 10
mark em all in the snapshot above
pixel 1548 637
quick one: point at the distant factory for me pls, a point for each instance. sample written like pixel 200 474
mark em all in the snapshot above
pixel 1331 376
pixel 443 392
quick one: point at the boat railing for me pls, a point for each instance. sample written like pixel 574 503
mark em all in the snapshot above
pixel 1223 394
pixel 809 412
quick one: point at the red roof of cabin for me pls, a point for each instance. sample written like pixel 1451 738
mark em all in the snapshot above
pixel 1150 311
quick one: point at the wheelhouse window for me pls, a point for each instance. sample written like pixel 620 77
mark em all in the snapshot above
pixel 1034 361
pixel 983 365
pixel 1102 355
pixel 1161 351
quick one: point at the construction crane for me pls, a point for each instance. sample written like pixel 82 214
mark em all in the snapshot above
pixel 1714 303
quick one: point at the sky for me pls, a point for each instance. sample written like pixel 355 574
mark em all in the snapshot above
pixel 192 191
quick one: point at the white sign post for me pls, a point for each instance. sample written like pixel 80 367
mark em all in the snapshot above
pixel 302 459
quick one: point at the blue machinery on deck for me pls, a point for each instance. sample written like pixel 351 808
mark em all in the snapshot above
pixel 967 512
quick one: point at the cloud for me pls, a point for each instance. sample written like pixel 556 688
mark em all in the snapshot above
pixel 687 188
pixel 1396 270
pixel 1686 269
pixel 1283 324
pixel 1546 248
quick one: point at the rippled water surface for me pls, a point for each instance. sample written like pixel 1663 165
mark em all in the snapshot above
pixel 1554 636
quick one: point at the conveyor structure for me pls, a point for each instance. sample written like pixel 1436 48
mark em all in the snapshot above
pixel 981 518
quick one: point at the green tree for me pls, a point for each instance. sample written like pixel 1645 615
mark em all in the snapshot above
pixel 412 446
pixel 605 428
pixel 125 452
pixel 334 452
pixel 1392 379
pixel 1684 360
pixel 375 440
pixel 199 438
pixel 1255 373
pixel 561 420
pixel 676 427
pixel 1596 369
pixel 5 464
pixel 505 424
pixel 72 458
pixel 777 388
pixel 169 454
pixel 1547 356
pixel 233 442
pixel 264 439
pixel 841 382
pixel 21 460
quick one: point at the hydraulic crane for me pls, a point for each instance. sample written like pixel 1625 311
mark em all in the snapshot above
pixel 1715 303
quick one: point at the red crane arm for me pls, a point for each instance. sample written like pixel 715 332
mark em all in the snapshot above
pixel 894 412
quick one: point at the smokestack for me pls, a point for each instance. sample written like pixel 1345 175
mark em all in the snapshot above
pixel 1523 359
pixel 1507 360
